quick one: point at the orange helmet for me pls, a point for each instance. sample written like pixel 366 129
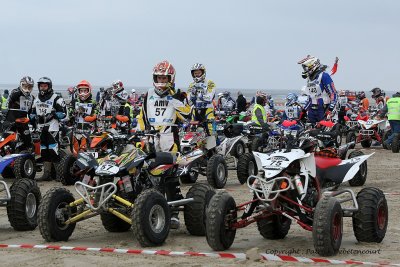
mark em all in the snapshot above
pixel 84 90
pixel 163 68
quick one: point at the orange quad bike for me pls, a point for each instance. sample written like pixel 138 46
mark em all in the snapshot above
pixel 11 143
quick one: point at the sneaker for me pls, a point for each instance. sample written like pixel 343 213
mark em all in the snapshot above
pixel 175 222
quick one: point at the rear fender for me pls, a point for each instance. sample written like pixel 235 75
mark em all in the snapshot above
pixel 357 161
pixel 7 160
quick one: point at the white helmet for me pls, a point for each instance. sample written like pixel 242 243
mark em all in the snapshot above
pixel 198 66
pixel 133 91
pixel 310 64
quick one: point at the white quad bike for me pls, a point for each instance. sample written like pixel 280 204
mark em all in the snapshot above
pixel 289 189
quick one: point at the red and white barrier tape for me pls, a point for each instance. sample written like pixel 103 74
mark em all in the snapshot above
pixel 286 258
pixel 241 256
pixel 133 251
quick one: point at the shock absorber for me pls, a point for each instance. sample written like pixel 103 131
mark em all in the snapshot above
pixel 299 184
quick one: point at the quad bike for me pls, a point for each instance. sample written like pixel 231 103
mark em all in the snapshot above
pixel 267 141
pixel 289 189
pixel 127 189
pixel 21 199
pixel 200 153
pixel 371 129
pixel 10 142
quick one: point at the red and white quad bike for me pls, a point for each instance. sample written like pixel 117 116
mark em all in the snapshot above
pixel 199 156
pixel 289 189
pixel 372 129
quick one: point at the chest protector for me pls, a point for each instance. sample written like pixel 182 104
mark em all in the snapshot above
pixel 25 102
pixel 292 112
pixel 46 107
pixel 88 107
pixel 313 89
pixel 160 110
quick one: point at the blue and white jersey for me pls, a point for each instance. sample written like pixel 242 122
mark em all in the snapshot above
pixel 321 91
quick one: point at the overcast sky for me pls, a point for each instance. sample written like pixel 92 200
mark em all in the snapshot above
pixel 243 44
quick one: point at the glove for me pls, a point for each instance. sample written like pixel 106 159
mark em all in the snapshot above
pixel 179 95
pixel 60 115
pixel 50 116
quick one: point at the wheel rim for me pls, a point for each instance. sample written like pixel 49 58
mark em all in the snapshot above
pixel 221 172
pixel 240 149
pixel 157 218
pixel 60 216
pixel 251 168
pixel 382 216
pixel 28 167
pixel 339 139
pixel 30 205
pixel 336 227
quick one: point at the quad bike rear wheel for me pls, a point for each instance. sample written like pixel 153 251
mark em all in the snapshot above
pixel 371 220
pixel 350 137
pixel 396 144
pixel 22 208
pixel 238 149
pixel 191 176
pixel 327 226
pixel 256 144
pixel 114 224
pixel 65 169
pixel 366 143
pixel 217 171
pixel 195 211
pixel 361 176
pixel 25 166
pixel 219 235
pixel 246 166
pixel 274 227
pixel 54 210
pixel 151 218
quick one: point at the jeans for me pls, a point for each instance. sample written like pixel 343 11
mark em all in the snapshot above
pixel 395 127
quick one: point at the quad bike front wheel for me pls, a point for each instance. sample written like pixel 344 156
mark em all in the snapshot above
pixel 327 226
pixel 371 220
pixel 256 144
pixel 361 176
pixel 151 218
pixel 246 166
pixel 217 171
pixel 366 143
pixel 195 211
pixel 64 169
pixel 54 210
pixel 222 207
pixel 25 166
pixel 22 208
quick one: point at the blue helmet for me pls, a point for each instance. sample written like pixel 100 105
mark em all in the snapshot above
pixel 291 98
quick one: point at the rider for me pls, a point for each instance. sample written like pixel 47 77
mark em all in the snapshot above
pixel 19 105
pixel 271 105
pixel 162 108
pixel 392 109
pixel 241 103
pixel 318 83
pixel 201 94
pixel 293 110
pixel 83 108
pixel 379 97
pixel 48 109
pixel 364 102
pixel 226 102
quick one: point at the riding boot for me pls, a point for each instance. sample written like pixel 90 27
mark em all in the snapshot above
pixel 46 172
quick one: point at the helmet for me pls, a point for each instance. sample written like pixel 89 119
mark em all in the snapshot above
pixel 117 86
pixel 198 66
pixel 101 89
pixel 163 68
pixel 226 93
pixel 45 80
pixel 376 92
pixel 310 64
pixel 291 98
pixel 84 90
pixel 361 95
pixel 133 91
pixel 26 85
pixel 342 93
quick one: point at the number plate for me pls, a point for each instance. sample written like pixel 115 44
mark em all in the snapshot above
pixel 107 169
pixel 290 132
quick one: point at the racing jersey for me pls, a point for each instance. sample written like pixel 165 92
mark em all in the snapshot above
pixel 202 94
pixel 321 91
